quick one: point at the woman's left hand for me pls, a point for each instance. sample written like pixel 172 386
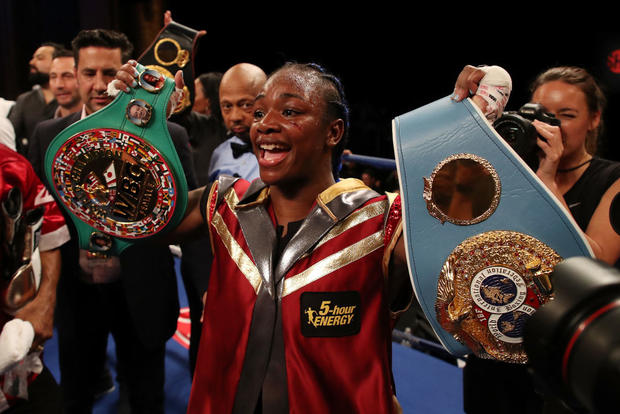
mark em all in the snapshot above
pixel 126 78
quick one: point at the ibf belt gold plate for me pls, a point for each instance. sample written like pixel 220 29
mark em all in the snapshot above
pixel 489 286
pixel 116 182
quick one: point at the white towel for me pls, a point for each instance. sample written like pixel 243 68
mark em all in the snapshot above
pixel 15 342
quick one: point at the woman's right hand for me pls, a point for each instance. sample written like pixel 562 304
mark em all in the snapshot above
pixel 552 147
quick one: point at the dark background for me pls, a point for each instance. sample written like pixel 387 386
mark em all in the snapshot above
pixel 390 60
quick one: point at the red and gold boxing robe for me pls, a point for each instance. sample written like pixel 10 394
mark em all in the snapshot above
pixel 307 330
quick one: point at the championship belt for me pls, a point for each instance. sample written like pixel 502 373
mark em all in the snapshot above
pixel 483 233
pixel 173 49
pixel 117 172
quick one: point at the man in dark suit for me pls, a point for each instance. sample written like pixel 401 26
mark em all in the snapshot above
pixel 133 296
pixel 37 104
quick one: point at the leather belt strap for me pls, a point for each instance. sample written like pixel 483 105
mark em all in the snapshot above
pixel 173 49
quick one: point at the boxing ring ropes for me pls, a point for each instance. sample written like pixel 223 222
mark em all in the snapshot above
pixel 377 162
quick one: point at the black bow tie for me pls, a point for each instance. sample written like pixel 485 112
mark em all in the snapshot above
pixel 239 149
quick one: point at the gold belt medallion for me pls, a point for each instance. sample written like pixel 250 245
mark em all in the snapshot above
pixel 116 182
pixel 489 286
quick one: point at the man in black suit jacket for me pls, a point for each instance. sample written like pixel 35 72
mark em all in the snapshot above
pixel 139 302
pixel 37 104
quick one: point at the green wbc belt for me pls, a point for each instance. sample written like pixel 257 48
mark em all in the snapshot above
pixel 117 172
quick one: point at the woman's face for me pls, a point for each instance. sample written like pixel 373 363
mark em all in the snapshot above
pixel 290 136
pixel 568 103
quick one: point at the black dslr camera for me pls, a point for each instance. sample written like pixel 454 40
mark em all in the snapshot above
pixel 573 341
pixel 516 128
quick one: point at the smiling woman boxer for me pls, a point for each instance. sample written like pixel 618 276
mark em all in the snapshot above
pixel 309 273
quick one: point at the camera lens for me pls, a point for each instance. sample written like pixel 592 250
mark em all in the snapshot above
pixel 591 361
pixel 520 134
pixel 510 132
pixel 573 342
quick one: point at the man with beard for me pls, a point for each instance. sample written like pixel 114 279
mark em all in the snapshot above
pixel 37 104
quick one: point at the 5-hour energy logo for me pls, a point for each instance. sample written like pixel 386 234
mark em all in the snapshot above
pixel 330 314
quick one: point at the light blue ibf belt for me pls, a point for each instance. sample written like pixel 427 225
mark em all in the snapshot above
pixel 482 231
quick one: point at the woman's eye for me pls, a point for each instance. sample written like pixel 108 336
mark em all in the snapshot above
pixel 258 114
pixel 288 112
pixel 567 116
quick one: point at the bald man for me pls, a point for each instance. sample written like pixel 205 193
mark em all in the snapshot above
pixel 238 89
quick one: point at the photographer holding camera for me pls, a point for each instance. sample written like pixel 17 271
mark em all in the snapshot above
pixel 582 182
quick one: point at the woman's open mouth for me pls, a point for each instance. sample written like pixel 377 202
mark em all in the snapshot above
pixel 271 153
